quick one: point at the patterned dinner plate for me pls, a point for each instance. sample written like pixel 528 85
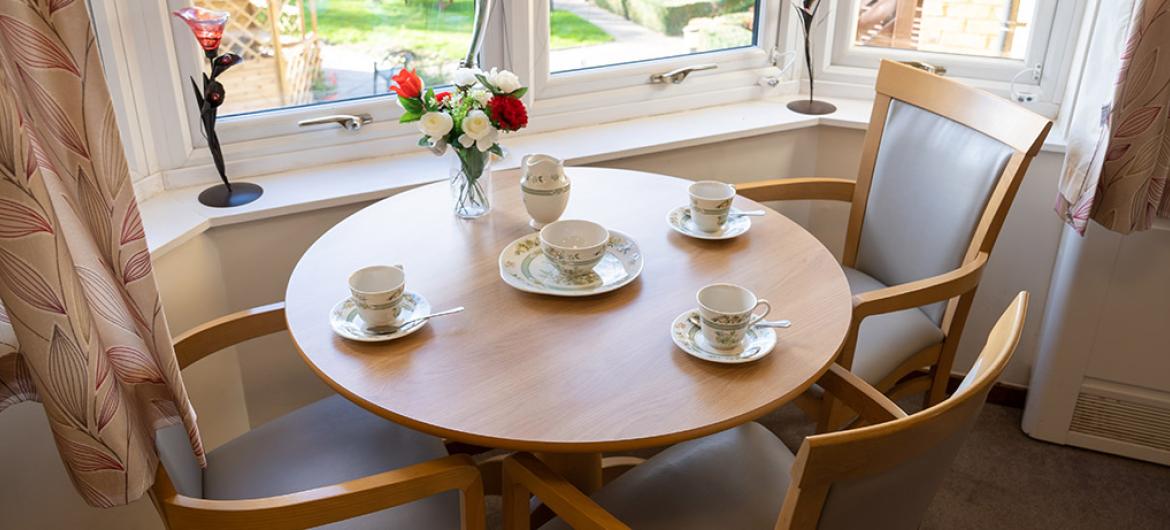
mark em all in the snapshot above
pixel 349 324
pixel 757 343
pixel 523 266
pixel 680 220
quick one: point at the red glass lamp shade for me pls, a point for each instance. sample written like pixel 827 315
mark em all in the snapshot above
pixel 206 24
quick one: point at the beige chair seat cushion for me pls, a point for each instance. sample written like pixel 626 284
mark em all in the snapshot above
pixel 329 442
pixel 887 340
pixel 733 479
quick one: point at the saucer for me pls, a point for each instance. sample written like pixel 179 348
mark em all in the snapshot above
pixel 349 324
pixel 680 220
pixel 524 266
pixel 757 343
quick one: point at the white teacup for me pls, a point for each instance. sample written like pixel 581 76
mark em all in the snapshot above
pixel 573 246
pixel 726 313
pixel 377 293
pixel 710 204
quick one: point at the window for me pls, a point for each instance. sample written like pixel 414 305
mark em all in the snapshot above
pixel 597 47
pixel 585 61
pixel 984 28
pixel 1018 48
pixel 590 34
pixel 979 39
pixel 335 50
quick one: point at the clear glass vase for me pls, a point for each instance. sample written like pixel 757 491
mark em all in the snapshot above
pixel 471 182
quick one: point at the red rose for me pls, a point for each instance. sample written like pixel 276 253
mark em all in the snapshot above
pixel 508 112
pixel 409 84
pixel 442 96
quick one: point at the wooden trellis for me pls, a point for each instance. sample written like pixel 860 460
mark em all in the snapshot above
pixel 890 23
pixel 282 56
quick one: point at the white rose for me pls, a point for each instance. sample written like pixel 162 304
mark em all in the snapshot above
pixel 504 81
pixel 484 143
pixel 465 77
pixel 478 131
pixel 481 96
pixel 477 125
pixel 435 124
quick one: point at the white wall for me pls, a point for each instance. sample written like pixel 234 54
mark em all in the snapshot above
pixel 231 268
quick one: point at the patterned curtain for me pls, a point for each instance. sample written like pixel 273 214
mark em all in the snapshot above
pixel 1119 146
pixel 84 331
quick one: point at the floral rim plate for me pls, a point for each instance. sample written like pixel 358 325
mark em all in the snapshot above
pixel 523 266
pixel 348 323
pixel 758 343
pixel 680 220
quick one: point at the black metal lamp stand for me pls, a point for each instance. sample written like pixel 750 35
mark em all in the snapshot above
pixel 807 11
pixel 210 98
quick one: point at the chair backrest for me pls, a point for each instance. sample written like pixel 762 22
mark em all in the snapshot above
pixel 940 166
pixel 884 476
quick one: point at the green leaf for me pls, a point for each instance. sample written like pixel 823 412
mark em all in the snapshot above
pixel 472 162
pixel 483 81
pixel 408 117
pixel 497 150
pixel 425 141
pixel 519 92
pixel 429 99
pixel 412 105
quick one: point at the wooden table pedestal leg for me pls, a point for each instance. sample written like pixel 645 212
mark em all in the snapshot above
pixel 582 470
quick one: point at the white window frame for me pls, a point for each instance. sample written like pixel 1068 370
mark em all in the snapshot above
pixel 585 95
pixel 839 64
pixel 149 84
pixel 282 122
pixel 155 58
pixel 846 53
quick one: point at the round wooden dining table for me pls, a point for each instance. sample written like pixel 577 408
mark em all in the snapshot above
pixel 566 378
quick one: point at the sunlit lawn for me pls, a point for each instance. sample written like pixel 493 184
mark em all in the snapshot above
pixel 433 28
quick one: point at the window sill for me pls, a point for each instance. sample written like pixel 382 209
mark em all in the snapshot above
pixel 174 216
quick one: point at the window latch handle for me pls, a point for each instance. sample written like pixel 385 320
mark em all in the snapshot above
pixel 350 122
pixel 678 75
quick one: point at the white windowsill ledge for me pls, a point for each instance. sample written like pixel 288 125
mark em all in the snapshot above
pixel 175 216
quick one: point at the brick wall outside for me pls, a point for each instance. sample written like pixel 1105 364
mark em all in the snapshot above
pixel 972 26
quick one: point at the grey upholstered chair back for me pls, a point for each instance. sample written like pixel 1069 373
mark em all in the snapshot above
pixel 884 476
pixel 931 181
pixel 898 497
pixel 178 458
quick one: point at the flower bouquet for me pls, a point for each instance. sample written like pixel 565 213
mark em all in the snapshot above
pixel 468 119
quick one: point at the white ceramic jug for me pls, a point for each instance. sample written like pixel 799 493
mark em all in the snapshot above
pixel 545 188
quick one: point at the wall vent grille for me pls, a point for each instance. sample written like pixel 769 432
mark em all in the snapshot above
pixel 1122 420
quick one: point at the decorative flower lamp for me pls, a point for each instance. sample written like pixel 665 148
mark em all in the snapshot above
pixel 207 26
pixel 483 11
pixel 806 12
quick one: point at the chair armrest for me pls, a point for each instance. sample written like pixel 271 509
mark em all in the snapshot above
pixel 337 502
pixel 210 337
pixel 867 401
pixel 524 473
pixel 921 292
pixel 826 189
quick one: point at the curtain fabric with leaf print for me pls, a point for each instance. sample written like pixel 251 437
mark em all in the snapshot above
pixel 83 330
pixel 1118 156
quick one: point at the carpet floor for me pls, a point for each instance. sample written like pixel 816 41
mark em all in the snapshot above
pixel 1004 479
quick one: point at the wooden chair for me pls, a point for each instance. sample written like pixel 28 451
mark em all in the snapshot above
pixel 329 462
pixel 940 166
pixel 881 476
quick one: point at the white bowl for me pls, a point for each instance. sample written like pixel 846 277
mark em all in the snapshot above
pixel 574 246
